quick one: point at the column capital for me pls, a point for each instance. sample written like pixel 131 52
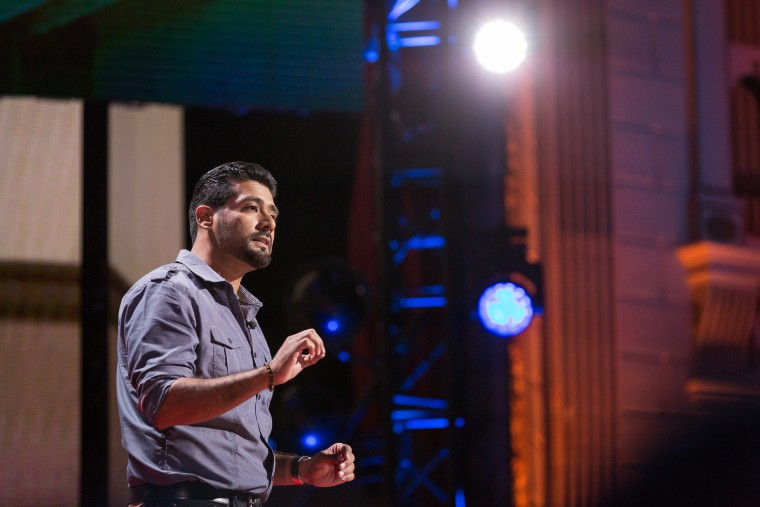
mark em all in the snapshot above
pixel 725 284
pixel 707 262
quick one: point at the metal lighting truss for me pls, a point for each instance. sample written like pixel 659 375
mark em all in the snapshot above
pixel 415 48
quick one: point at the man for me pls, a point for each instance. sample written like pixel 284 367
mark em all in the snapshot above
pixel 195 375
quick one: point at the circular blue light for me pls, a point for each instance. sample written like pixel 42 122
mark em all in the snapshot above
pixel 371 55
pixel 505 309
pixel 344 356
pixel 310 441
pixel 332 325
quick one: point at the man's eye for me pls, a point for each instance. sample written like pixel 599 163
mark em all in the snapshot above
pixel 253 208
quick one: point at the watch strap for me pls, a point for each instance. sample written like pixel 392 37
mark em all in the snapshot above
pixel 295 475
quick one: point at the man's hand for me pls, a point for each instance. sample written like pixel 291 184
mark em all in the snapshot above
pixel 333 466
pixel 298 351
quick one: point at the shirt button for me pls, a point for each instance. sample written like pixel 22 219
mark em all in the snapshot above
pixel 255 354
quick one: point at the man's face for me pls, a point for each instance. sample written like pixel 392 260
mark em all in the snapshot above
pixel 244 227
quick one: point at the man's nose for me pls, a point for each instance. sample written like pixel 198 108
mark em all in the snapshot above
pixel 267 222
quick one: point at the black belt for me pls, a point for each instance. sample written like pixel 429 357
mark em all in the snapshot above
pixel 191 490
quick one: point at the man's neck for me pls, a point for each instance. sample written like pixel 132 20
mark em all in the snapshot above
pixel 227 267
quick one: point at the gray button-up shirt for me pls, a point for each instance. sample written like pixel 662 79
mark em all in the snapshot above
pixel 184 320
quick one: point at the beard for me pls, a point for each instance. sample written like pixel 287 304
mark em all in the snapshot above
pixel 243 250
pixel 256 258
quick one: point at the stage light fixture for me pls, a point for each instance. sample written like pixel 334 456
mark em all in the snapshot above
pixel 310 417
pixel 505 309
pixel 322 431
pixel 500 46
pixel 329 297
pixel 311 440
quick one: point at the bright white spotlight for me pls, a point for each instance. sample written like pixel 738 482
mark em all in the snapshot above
pixel 500 46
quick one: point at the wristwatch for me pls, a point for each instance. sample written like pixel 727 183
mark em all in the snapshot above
pixel 295 476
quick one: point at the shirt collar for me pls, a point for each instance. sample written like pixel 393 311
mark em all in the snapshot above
pixel 248 299
pixel 204 271
pixel 198 267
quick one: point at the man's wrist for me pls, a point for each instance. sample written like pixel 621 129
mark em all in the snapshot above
pixel 270 375
pixel 295 470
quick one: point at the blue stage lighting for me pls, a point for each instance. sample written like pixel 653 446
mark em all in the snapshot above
pixel 330 297
pixel 311 441
pixel 459 498
pixel 505 309
pixel 312 418
pixel 332 325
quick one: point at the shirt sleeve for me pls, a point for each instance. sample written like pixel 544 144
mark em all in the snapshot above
pixel 159 330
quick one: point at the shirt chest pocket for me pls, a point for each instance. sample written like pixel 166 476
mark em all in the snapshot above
pixel 228 354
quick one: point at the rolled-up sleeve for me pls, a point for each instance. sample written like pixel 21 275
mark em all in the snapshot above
pixel 160 340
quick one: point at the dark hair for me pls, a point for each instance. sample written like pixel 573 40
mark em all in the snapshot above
pixel 216 186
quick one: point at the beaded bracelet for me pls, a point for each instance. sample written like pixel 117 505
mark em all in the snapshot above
pixel 271 376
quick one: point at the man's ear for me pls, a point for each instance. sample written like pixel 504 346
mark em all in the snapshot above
pixel 204 216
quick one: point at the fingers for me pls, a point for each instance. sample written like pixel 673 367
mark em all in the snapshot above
pixel 306 346
pixel 346 467
pixel 343 451
pixel 340 456
pixel 309 344
pixel 297 352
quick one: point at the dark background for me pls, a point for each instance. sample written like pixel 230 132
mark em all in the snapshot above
pixel 313 158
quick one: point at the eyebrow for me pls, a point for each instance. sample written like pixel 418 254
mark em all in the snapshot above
pixel 260 202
